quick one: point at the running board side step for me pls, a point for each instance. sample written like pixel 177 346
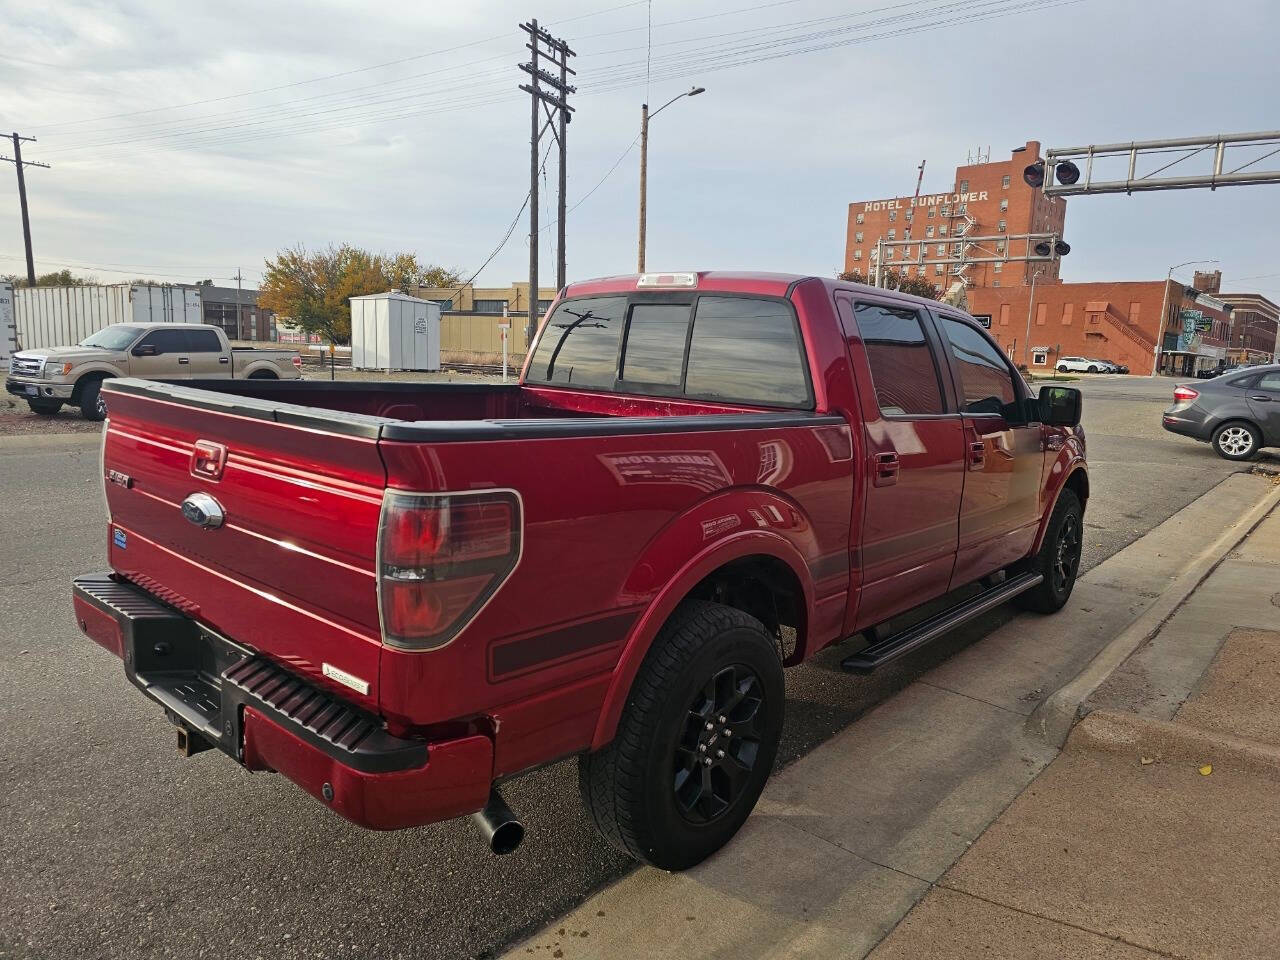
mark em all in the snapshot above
pixel 899 645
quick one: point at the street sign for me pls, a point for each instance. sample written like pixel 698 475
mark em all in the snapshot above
pixel 984 319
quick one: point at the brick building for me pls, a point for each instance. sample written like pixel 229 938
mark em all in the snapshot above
pixel 984 199
pixel 237 312
pixel 1119 321
pixel 1255 321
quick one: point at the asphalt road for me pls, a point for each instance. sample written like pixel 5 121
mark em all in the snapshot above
pixel 114 846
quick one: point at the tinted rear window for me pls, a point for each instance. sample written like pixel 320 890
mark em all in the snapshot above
pixel 745 350
pixel 204 341
pixel 579 346
pixel 655 344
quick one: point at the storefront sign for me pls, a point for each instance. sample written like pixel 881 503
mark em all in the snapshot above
pixel 930 200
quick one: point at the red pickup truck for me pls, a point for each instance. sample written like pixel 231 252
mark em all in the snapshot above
pixel 400 594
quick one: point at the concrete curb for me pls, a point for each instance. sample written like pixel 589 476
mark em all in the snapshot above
pixel 1052 720
pixel 1127 734
pixel 37 440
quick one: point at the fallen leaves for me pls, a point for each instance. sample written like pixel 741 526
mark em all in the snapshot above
pixel 1206 769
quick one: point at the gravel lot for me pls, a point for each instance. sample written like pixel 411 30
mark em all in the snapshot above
pixel 116 847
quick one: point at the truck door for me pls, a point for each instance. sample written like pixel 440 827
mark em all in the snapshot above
pixel 1004 454
pixel 161 355
pixel 913 471
pixel 210 360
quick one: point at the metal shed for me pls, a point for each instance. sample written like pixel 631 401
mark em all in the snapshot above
pixel 394 331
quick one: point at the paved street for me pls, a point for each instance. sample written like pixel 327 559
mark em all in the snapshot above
pixel 114 842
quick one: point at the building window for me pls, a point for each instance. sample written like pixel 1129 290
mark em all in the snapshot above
pixel 931 212
pixel 928 231
pixel 942 229
pixel 1004 182
pixel 543 306
pixel 964 187
pixel 860 218
pixel 906 234
pixel 1001 226
pixel 489 306
pixel 962 210
pixel 997 267
pixel 893 215
pixel 857 237
pixel 999 246
pixel 909 215
pixel 946 211
pixel 893 233
pixel 857 254
pixel 995 283
pixel 937 269
pixel 1039 358
pixel 1004 206
pixel 955 249
pixel 888 254
pixel 942 249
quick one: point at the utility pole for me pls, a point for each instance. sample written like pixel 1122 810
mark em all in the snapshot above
pixel 1030 306
pixel 19 163
pixel 239 309
pixel 551 92
pixel 645 117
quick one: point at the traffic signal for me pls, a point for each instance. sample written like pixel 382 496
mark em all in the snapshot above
pixel 1064 171
pixel 1044 248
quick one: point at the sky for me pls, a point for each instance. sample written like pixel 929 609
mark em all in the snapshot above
pixel 191 140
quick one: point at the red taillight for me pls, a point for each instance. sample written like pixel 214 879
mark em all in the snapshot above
pixel 440 558
pixel 297 361
pixel 1184 394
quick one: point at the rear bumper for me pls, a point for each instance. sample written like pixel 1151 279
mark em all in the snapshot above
pixel 267 718
pixel 45 390
pixel 1187 422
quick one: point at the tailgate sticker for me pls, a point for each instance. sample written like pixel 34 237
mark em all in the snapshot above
pixel 344 678
pixel 119 538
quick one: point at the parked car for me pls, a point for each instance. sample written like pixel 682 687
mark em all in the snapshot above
pixel 1079 365
pixel 1238 413
pixel 400 594
pixel 50 377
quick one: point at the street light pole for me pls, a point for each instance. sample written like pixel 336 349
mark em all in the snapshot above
pixel 645 117
pixel 1164 312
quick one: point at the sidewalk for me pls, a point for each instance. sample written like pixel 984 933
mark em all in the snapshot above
pixel 848 839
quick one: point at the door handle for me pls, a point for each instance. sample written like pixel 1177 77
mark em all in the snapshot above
pixel 184 359
pixel 224 359
pixel 1263 397
pixel 977 455
pixel 886 470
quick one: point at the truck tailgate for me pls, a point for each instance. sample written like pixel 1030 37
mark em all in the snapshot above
pixel 290 569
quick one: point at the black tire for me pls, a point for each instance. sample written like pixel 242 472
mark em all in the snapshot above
pixel 45 408
pixel 1093 368
pixel 651 792
pixel 92 406
pixel 1058 559
pixel 1062 368
pixel 263 375
pixel 1237 440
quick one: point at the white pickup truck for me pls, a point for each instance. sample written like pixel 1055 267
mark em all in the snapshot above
pixel 52 376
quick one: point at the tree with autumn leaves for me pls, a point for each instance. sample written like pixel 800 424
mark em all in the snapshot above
pixel 312 289
pixel 893 280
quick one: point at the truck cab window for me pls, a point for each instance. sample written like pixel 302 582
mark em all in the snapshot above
pixel 166 341
pixel 902 366
pixel 579 344
pixel 745 350
pixel 654 350
pixel 986 385
pixel 203 341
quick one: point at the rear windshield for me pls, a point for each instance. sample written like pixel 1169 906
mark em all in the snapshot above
pixel 744 350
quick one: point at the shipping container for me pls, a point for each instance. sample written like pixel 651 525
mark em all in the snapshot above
pixel 63 316
pixel 8 332
pixel 394 331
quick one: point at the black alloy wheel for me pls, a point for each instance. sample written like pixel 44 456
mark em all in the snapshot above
pixel 720 745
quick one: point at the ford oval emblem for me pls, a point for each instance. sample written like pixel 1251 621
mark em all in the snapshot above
pixel 202 510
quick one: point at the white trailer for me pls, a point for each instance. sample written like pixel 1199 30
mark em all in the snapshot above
pixel 8 332
pixel 63 316
pixel 394 331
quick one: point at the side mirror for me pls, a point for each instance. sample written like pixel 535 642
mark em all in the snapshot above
pixel 1060 406
pixel 145 350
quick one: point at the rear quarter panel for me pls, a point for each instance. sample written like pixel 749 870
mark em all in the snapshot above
pixel 616 530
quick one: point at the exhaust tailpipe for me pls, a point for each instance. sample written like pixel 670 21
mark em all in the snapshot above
pixel 500 827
